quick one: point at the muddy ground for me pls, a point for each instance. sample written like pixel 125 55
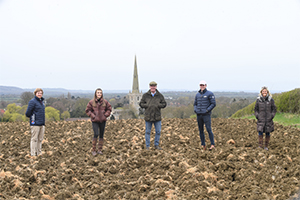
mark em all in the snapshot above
pixel 236 169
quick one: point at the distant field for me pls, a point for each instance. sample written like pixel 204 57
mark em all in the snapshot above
pixel 286 119
pixel 10 99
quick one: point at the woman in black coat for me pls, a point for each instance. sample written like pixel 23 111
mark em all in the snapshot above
pixel 265 111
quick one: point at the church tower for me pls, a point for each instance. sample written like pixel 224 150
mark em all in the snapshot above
pixel 135 84
pixel 135 95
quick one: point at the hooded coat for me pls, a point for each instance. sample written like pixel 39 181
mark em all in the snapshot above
pixel 265 111
pixel 153 105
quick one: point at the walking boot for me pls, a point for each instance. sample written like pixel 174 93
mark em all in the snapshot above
pixel 100 145
pixel 260 141
pixel 267 140
pixel 211 148
pixel 94 146
pixel 157 147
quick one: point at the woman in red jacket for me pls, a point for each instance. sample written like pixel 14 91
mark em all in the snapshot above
pixel 98 109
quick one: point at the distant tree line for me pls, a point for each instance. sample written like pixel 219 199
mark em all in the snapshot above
pixel 56 108
pixel 179 105
pixel 183 107
pixel 14 113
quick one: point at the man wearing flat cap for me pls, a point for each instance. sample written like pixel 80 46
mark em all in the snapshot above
pixel 153 101
pixel 204 103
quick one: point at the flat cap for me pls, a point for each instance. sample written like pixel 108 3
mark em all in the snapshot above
pixel 152 83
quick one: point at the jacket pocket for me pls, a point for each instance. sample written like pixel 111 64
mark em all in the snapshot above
pixel 32 120
pixel 102 116
pixel 95 117
pixel 260 127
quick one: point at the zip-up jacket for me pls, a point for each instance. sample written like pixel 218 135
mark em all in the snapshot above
pixel 204 102
pixel 265 111
pixel 36 111
pixel 97 111
pixel 153 105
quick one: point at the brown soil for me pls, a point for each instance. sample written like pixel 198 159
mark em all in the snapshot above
pixel 236 169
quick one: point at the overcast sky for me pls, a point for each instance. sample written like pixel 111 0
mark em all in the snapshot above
pixel 233 45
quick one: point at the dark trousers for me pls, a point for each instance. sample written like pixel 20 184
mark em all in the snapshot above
pixel 98 126
pixel 205 119
pixel 261 133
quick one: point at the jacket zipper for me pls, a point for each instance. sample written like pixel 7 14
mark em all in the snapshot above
pixel 265 114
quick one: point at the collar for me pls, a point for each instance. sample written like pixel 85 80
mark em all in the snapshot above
pixel 203 91
pixel 267 98
pixel 39 99
pixel 149 91
pixel 98 100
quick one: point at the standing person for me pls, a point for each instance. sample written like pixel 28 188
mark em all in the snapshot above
pixel 153 101
pixel 36 112
pixel 265 111
pixel 98 109
pixel 203 105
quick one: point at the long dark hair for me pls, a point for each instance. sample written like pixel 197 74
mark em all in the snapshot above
pixel 95 98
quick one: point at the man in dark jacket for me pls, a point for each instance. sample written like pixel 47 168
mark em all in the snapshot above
pixel 36 113
pixel 153 101
pixel 204 103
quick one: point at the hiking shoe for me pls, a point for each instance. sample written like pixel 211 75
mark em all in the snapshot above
pixel 157 147
pixel 99 152
pixel 147 148
pixel 212 147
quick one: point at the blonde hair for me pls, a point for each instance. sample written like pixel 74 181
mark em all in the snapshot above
pixel 264 88
pixel 38 90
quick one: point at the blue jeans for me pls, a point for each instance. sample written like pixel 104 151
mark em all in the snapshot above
pixel 205 119
pixel 157 125
pixel 261 133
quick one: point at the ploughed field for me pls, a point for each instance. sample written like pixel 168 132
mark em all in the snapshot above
pixel 236 169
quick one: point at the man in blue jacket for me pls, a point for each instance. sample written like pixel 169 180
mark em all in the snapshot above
pixel 36 113
pixel 204 103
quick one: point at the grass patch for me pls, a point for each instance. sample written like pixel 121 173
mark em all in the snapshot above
pixel 286 119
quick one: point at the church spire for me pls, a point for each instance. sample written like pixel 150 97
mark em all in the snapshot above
pixel 135 85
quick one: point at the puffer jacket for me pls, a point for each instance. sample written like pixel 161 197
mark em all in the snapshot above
pixel 153 105
pixel 265 111
pixel 204 102
pixel 96 111
pixel 36 111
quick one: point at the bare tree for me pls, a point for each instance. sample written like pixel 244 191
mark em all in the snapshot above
pixel 26 97
pixel 3 104
pixel 69 96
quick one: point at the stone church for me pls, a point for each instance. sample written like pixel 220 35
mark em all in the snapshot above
pixel 134 96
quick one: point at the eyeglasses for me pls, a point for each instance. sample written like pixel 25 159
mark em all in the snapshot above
pixel 202 85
